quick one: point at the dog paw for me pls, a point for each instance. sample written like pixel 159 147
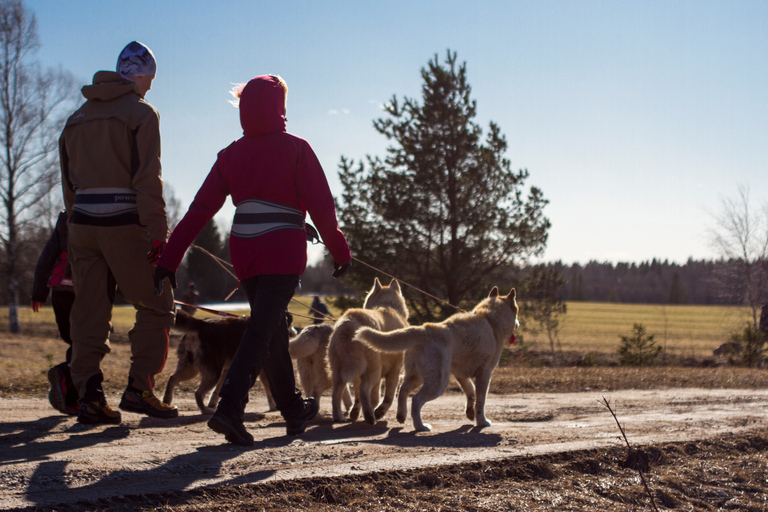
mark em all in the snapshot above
pixel 470 413
pixel 208 410
pixel 483 422
pixel 424 427
pixel 400 418
pixel 369 419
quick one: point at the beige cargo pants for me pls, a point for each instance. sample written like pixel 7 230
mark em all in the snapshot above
pixel 93 252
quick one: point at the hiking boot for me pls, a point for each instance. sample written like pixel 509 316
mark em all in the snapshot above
pixel 297 424
pixel 97 412
pixel 57 396
pixel 232 427
pixel 145 402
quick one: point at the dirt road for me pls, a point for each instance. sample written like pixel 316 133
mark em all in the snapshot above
pixel 48 459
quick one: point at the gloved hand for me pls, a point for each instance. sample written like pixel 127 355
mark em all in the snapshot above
pixel 340 269
pixel 157 249
pixel 311 233
pixel 160 274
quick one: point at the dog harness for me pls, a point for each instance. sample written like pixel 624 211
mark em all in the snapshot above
pixel 254 217
pixel 105 207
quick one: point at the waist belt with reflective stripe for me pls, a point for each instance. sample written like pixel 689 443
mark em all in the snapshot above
pixel 105 207
pixel 254 217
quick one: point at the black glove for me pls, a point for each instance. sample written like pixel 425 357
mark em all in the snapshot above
pixel 160 274
pixel 340 269
pixel 311 233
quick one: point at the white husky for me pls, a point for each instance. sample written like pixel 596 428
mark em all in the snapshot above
pixel 467 345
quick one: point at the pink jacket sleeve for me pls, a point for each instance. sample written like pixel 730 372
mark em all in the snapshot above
pixel 209 200
pixel 316 196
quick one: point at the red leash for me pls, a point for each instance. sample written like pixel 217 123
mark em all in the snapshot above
pixel 215 312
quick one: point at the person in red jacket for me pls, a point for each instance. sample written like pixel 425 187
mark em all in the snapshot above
pixel 274 179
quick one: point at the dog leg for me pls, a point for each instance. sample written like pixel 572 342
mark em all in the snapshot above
pixel 338 389
pixel 469 390
pixel 482 382
pixel 214 400
pixel 369 390
pixel 435 384
pixel 390 382
pixel 411 382
pixel 267 391
pixel 180 375
pixel 208 381
pixel 347 398
pixel 354 412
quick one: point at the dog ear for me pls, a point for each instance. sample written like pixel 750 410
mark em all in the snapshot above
pixel 512 294
pixel 376 284
pixel 494 292
pixel 394 283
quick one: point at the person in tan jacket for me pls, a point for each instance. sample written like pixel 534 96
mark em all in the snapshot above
pixel 113 193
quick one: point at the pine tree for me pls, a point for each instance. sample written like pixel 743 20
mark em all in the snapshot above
pixel 676 293
pixel 443 211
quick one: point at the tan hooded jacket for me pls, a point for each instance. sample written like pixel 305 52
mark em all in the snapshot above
pixel 113 142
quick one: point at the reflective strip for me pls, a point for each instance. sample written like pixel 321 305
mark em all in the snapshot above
pixel 105 202
pixel 254 218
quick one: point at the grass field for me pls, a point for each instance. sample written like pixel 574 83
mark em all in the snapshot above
pixel 588 326
pixel 690 331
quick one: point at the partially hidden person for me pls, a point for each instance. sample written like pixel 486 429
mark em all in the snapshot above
pixel 274 179
pixel 113 193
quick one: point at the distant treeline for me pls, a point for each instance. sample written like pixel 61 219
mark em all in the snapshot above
pixel 654 282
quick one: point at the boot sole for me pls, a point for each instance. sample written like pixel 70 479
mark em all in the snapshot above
pixel 92 419
pixel 55 396
pixel 229 434
pixel 149 411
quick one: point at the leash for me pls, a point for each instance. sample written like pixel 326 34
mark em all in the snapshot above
pixel 227 266
pixel 214 311
pixel 409 285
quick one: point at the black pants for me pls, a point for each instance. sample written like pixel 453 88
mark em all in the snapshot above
pixel 264 346
pixel 62 305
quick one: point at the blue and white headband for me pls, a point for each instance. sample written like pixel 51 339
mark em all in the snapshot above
pixel 136 60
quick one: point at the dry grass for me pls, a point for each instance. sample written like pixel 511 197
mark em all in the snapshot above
pixel 25 359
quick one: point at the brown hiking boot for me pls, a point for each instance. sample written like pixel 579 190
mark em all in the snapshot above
pixel 145 402
pixel 93 413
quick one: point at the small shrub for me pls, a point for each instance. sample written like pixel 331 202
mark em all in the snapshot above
pixel 638 349
pixel 752 343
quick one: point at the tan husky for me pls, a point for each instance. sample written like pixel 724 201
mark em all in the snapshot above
pixel 467 345
pixel 384 309
pixel 310 350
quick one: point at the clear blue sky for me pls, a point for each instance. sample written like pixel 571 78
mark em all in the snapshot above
pixel 634 118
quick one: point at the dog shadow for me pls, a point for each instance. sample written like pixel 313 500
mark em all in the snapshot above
pixel 361 432
pixel 181 421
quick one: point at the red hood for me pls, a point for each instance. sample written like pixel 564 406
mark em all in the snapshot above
pixel 262 107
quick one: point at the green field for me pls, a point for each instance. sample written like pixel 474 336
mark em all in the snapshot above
pixel 680 329
pixel 588 326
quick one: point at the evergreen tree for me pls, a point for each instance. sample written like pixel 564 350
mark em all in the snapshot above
pixel 211 280
pixel 676 293
pixel 577 288
pixel 443 211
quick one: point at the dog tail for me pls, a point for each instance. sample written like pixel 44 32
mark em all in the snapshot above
pixel 309 340
pixel 392 341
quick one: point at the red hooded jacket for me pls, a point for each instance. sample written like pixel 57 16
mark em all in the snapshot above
pixel 272 166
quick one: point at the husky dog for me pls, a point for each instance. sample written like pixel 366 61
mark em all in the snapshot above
pixel 384 309
pixel 467 345
pixel 310 350
pixel 207 349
